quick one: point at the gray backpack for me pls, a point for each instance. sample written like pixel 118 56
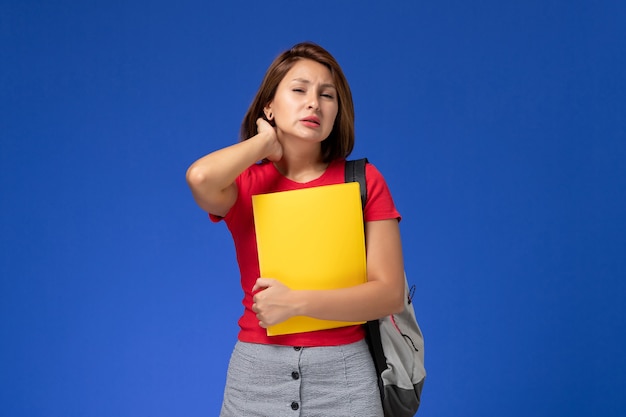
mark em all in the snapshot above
pixel 395 341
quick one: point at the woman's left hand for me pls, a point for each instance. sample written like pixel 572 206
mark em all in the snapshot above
pixel 273 303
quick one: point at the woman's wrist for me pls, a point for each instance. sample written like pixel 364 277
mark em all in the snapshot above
pixel 271 148
pixel 298 302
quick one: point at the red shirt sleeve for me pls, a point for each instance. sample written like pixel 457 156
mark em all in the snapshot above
pixel 379 205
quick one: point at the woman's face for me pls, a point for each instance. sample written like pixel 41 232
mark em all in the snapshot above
pixel 305 104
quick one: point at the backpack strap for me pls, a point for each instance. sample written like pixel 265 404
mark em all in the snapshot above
pixel 355 172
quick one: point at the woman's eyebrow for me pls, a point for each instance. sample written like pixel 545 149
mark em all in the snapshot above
pixel 305 81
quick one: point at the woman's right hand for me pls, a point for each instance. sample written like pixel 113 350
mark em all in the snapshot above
pixel 276 149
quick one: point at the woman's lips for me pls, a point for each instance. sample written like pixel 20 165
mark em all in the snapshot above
pixel 311 121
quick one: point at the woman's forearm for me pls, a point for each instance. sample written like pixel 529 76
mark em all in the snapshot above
pixel 211 178
pixel 365 302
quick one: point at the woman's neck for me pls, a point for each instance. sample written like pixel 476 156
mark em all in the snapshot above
pixel 301 168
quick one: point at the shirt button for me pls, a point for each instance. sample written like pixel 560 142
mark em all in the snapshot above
pixel 294 406
pixel 295 375
pixel 297 348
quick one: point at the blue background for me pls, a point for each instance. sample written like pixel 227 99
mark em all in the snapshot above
pixel 498 125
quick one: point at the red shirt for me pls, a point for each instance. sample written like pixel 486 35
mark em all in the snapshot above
pixel 262 179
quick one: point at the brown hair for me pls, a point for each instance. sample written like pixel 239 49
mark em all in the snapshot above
pixel 340 142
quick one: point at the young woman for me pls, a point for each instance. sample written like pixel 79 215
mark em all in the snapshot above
pixel 296 134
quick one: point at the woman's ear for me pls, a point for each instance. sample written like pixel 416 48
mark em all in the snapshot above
pixel 268 112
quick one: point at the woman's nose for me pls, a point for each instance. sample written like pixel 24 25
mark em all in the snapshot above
pixel 313 102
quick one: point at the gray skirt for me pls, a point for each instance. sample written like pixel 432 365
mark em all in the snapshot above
pixel 276 381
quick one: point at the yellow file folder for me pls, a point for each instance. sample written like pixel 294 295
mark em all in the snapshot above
pixel 311 239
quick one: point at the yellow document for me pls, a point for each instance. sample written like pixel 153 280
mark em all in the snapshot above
pixel 311 239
